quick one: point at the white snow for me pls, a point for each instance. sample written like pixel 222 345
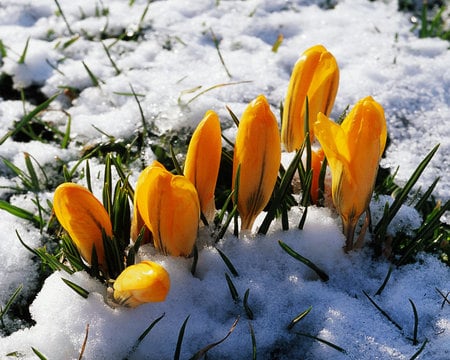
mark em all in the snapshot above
pixel 378 55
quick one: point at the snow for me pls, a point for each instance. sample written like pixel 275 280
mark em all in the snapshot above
pixel 378 55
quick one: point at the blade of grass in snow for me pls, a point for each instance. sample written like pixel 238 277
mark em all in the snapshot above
pixel 24 53
pixel 381 227
pixel 299 317
pixel 38 354
pixel 253 337
pixel 247 308
pixel 330 344
pixel 233 291
pixel 445 297
pixel 228 263
pixel 180 339
pixel 27 118
pixel 216 44
pixel 214 87
pixel 384 313
pixel 77 288
pixel 416 322
pixel 83 346
pixel 12 298
pixel 143 336
pixel 64 17
pixel 416 355
pixel 323 276
pixel 203 352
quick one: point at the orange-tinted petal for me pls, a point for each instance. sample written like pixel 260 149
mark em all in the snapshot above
pixel 203 161
pixel 84 218
pixel 170 208
pixel 142 283
pixel 257 151
pixel 316 75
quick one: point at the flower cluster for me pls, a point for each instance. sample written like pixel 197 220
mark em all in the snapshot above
pixel 168 208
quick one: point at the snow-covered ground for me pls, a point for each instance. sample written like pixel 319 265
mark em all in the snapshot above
pixel 176 60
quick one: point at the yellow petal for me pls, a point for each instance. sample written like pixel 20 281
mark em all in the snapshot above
pixel 257 151
pixel 170 208
pixel 83 217
pixel 353 150
pixel 142 283
pixel 203 161
pixel 316 75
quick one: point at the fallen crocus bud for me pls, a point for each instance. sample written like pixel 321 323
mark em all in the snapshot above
pixel 257 153
pixel 316 76
pixel 203 161
pixel 353 150
pixel 141 283
pixel 169 206
pixel 84 218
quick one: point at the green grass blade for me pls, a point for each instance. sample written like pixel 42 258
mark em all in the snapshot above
pixel 38 354
pixel 177 354
pixel 233 291
pixel 330 344
pixel 143 336
pixel 416 355
pixel 228 263
pixel 24 52
pixel 323 276
pixel 247 308
pixel 12 298
pixel 416 322
pixel 384 313
pixel 20 213
pixel 77 288
pixel 27 118
pixel 299 317
pixel 381 227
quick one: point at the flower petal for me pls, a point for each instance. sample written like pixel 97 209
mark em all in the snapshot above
pixel 257 151
pixel 84 218
pixel 203 161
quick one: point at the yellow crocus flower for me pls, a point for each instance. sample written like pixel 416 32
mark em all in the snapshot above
pixel 316 76
pixel 257 152
pixel 141 283
pixel 84 218
pixel 169 206
pixel 353 150
pixel 203 161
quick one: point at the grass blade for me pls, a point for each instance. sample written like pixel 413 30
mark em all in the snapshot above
pixel 299 317
pixel 180 340
pixel 384 313
pixel 228 263
pixel 143 335
pixel 330 344
pixel 203 352
pixel 323 276
pixel 77 288
pixel 27 118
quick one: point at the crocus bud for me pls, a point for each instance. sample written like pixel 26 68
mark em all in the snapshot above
pixel 353 150
pixel 169 207
pixel 316 76
pixel 257 152
pixel 203 161
pixel 84 218
pixel 141 283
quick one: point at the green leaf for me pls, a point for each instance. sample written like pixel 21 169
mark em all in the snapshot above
pixel 77 288
pixel 180 339
pixel 323 276
pixel 299 317
pixel 27 118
